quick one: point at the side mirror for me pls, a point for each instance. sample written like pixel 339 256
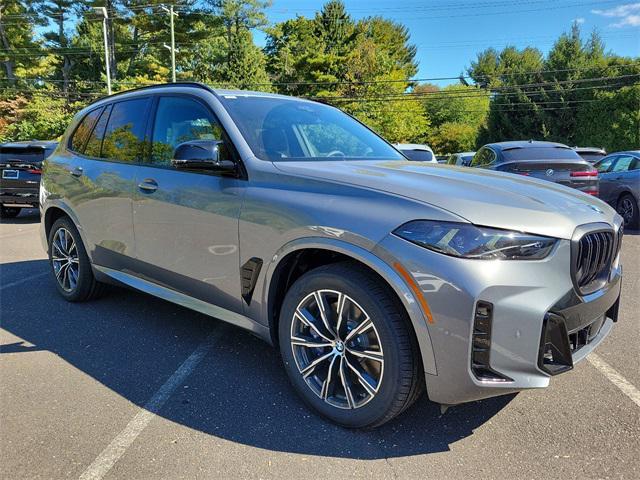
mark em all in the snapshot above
pixel 201 155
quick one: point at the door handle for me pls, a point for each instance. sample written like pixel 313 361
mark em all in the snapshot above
pixel 148 185
pixel 77 172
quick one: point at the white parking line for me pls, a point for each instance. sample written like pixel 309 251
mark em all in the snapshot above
pixel 22 280
pixel 110 455
pixel 614 377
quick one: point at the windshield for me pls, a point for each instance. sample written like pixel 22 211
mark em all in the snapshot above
pixel 418 155
pixel 540 153
pixel 281 129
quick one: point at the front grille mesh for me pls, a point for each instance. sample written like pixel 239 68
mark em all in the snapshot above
pixel 595 252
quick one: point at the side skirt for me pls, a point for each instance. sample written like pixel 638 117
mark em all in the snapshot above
pixel 186 301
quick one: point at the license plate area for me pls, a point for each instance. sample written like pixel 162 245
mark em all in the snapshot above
pixel 10 174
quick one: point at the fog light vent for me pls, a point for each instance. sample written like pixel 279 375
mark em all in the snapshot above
pixel 555 351
pixel 481 344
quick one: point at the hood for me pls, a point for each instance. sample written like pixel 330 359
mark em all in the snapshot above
pixel 483 197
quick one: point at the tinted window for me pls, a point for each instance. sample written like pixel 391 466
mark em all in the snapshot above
pixel 605 164
pixel 179 120
pixel 485 156
pixel 280 128
pixel 81 135
pixel 466 160
pixel 540 153
pixel 418 155
pixel 623 164
pixel 19 154
pixel 592 156
pixel 94 144
pixel 124 136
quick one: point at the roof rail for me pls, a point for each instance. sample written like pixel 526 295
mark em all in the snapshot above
pixel 158 85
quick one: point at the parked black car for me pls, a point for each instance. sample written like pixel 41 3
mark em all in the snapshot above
pixel 620 184
pixel 545 160
pixel 591 154
pixel 21 164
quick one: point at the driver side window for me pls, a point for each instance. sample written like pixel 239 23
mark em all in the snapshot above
pixel 180 120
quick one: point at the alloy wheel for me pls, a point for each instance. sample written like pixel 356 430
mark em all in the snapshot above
pixel 337 349
pixel 64 257
pixel 626 210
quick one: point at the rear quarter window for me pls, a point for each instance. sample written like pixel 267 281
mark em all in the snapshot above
pixel 78 140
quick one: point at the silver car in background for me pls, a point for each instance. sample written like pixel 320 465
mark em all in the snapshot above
pixel 376 277
pixel 417 152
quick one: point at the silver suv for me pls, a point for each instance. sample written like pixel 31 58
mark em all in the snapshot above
pixel 375 276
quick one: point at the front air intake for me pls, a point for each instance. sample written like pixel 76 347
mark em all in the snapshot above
pixel 481 344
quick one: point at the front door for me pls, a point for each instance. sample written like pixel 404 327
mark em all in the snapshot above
pixel 186 222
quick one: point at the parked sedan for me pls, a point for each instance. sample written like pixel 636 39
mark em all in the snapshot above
pixel 462 159
pixel 620 184
pixel 21 164
pixel 544 160
pixel 591 154
pixel 417 152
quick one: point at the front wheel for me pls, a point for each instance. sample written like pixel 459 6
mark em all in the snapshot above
pixel 347 346
pixel 70 263
pixel 628 209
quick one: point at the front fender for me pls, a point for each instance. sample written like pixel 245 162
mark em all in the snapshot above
pixel 404 293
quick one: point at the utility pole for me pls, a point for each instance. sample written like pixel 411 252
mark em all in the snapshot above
pixel 103 11
pixel 173 42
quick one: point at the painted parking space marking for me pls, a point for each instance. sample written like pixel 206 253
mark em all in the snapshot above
pixel 22 280
pixel 119 445
pixel 614 377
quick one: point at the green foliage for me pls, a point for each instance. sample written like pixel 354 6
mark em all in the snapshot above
pixel 39 117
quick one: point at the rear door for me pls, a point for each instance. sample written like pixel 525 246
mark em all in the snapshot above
pixel 102 179
pixel 186 222
pixel 607 185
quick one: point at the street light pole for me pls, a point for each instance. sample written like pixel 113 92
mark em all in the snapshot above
pixel 173 42
pixel 103 11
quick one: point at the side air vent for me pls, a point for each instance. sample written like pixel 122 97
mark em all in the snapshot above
pixel 249 276
pixel 481 344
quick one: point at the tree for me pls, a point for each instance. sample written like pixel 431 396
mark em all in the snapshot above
pixel 457 114
pixel 17 42
pixel 245 64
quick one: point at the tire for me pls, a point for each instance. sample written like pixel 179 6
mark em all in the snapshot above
pixel 74 279
pixel 9 212
pixel 628 208
pixel 391 367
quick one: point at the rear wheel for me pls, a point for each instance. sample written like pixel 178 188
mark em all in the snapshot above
pixel 347 347
pixel 9 212
pixel 627 207
pixel 70 263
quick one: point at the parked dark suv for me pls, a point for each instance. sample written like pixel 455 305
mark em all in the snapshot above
pixel 375 276
pixel 20 165
pixel 554 162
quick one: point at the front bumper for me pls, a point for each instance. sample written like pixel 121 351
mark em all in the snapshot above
pixel 523 296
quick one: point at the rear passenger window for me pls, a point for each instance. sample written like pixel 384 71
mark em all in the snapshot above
pixel 124 138
pixel 81 135
pixel 94 143
pixel 180 120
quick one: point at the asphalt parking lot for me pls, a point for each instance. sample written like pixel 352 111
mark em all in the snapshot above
pixel 130 387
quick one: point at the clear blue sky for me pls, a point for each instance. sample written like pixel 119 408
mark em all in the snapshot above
pixel 449 33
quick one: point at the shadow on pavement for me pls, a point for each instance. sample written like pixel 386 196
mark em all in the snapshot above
pixel 27 215
pixel 132 343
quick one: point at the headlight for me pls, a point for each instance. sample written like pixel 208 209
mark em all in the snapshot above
pixel 468 241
